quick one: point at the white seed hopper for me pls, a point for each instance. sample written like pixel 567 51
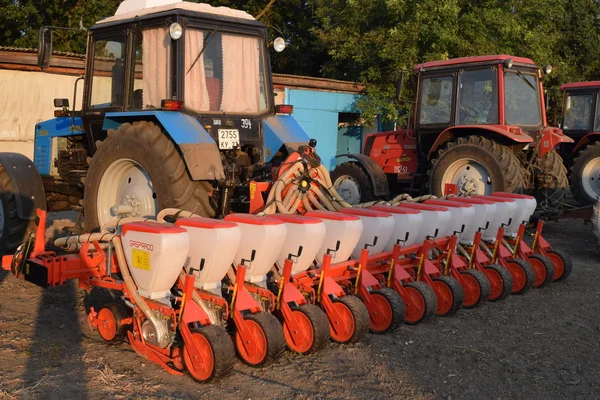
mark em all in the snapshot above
pixel 463 214
pixel 155 254
pixel 434 217
pixel 308 232
pixel 485 210
pixel 213 245
pixel 526 206
pixel 507 212
pixel 263 235
pixel 375 224
pixel 341 227
pixel 407 222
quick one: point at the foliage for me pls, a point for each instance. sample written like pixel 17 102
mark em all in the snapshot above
pixel 373 41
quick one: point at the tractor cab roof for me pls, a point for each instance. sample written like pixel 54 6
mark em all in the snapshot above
pixel 580 85
pixel 455 63
pixel 137 10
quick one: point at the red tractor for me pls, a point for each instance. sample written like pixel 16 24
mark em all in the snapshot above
pixel 581 121
pixel 478 123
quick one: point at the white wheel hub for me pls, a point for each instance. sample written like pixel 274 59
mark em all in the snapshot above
pixel 125 190
pixel 590 178
pixel 470 176
pixel 348 188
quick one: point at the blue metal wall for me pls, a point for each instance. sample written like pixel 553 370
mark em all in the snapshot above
pixel 317 112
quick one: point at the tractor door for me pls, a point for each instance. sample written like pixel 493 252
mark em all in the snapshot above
pixel 105 81
pixel 436 107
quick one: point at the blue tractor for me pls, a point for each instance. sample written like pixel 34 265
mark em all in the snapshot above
pixel 178 111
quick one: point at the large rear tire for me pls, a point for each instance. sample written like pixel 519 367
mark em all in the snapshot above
pixel 478 166
pixel 585 174
pixel 138 166
pixel 13 229
pixel 552 185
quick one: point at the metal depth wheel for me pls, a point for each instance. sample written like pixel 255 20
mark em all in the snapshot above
pixel 563 265
pixel 522 274
pixel 501 282
pixel 268 337
pixel 393 311
pixel 216 352
pixel 125 190
pixel 355 318
pixel 544 270
pixel 449 293
pixel 314 323
pixel 109 325
pixel 421 302
pixel 476 287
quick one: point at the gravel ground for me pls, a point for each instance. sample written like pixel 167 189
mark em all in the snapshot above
pixel 541 345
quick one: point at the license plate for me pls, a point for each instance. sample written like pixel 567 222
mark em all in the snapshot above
pixel 228 138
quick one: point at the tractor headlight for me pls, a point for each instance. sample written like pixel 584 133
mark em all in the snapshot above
pixel 175 30
pixel 548 69
pixel 279 44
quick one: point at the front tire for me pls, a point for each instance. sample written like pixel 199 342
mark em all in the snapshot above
pixel 134 153
pixel 477 165
pixel 351 181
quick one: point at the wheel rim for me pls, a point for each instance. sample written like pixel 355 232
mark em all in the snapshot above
pixel 107 324
pixel 470 177
pixel 540 271
pixel 590 178
pixel 381 321
pixel 260 340
pixel 201 369
pixel 518 276
pixel 1 219
pixel 306 327
pixel 348 188
pixel 346 320
pixel 125 190
pixel 496 283
pixel 415 306
pixel 444 298
pixel 471 289
pixel 559 265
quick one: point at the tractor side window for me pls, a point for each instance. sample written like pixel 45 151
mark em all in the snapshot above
pixel 108 74
pixel 578 111
pixel 152 80
pixel 597 123
pixel 436 100
pixel 522 99
pixel 478 97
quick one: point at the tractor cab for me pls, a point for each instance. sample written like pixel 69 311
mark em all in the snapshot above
pixel 501 93
pixel 581 122
pixel 197 75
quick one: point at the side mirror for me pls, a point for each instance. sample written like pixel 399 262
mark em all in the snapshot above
pixel 61 103
pixel 400 86
pixel 45 47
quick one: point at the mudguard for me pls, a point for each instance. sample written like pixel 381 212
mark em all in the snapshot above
pixel 45 131
pixel 27 183
pixel 280 130
pixel 550 138
pixel 376 174
pixel 589 138
pixel 200 152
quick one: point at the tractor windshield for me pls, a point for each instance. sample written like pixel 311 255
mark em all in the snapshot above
pixel 224 73
pixel 478 97
pixel 522 99
pixel 578 111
